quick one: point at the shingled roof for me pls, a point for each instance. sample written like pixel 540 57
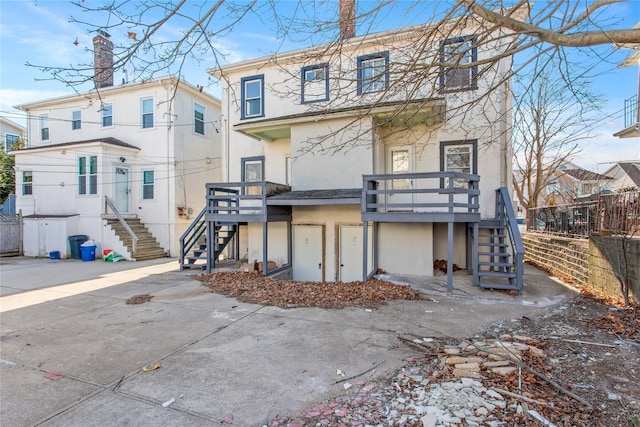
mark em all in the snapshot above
pixel 585 175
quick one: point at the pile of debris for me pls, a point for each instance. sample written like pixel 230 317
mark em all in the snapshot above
pixel 253 287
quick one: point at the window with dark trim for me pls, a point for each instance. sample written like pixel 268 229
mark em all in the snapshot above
pixel 459 156
pixel 27 183
pixel 44 127
pixel 252 171
pixel 315 83
pixel 148 182
pixel 146 108
pixel 88 175
pixel 76 120
pixel 252 96
pixel 107 116
pixel 458 53
pixel 198 119
pixel 373 72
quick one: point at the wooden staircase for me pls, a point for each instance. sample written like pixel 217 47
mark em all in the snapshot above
pixel 500 252
pixel 223 234
pixel 147 247
pixel 496 269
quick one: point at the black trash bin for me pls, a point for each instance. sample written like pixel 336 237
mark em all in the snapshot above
pixel 74 245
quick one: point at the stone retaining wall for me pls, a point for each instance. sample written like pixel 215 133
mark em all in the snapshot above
pixel 563 257
pixel 606 256
pixel 586 262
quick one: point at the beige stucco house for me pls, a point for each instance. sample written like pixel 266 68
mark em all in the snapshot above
pixel 384 151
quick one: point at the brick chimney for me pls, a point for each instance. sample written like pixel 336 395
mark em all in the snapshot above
pixel 347 19
pixel 102 60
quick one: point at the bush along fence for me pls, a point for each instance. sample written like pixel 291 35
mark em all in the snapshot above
pixel 608 262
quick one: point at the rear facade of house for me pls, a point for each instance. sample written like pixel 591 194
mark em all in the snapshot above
pixel 362 155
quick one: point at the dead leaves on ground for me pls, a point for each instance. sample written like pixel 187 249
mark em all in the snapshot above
pixel 253 287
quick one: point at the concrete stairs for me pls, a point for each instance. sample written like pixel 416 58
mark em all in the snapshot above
pixel 147 247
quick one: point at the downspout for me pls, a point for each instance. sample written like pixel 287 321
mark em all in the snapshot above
pixel 225 137
pixel 169 204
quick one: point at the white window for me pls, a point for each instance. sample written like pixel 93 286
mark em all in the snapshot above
pixel 88 175
pixel 44 127
pixel 252 97
pixel 76 120
pixel 198 119
pixel 373 75
pixel 458 156
pixel 27 183
pixel 147 113
pixel 148 182
pixel 107 115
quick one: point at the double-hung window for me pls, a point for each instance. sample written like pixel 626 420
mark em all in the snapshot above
pixel 373 73
pixel 198 119
pixel 457 57
pixel 146 108
pixel 315 83
pixel 88 175
pixel 252 96
pixel 148 182
pixel 10 142
pixel 44 127
pixel 76 120
pixel 107 115
pixel 27 183
pixel 459 156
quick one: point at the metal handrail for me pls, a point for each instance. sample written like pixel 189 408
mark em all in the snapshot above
pixel 134 238
pixel 185 247
pixel 507 216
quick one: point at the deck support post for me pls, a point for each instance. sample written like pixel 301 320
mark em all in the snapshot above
pixel 450 257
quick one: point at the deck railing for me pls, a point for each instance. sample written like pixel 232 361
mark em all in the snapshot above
pixel 241 199
pixel 507 217
pixel 435 192
pixel 631 116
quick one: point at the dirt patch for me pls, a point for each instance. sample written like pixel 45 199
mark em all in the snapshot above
pixel 253 287
pixel 139 299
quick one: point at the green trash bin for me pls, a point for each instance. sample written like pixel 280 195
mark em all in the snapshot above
pixel 74 245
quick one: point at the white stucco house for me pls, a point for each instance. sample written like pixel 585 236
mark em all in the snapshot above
pixel 382 151
pixel 138 151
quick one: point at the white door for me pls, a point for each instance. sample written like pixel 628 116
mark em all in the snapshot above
pixel 350 253
pixel 307 253
pixel 400 161
pixel 122 189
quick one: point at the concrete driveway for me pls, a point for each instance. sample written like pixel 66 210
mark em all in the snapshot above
pixel 218 359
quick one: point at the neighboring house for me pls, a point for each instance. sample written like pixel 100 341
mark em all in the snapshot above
pixel 625 175
pixel 340 162
pixel 631 110
pixel 11 133
pixel 571 184
pixel 147 148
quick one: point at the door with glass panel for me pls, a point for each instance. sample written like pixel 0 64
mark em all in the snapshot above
pixel 400 161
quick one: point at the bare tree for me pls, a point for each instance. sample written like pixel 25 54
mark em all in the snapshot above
pixel 548 27
pixel 551 118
